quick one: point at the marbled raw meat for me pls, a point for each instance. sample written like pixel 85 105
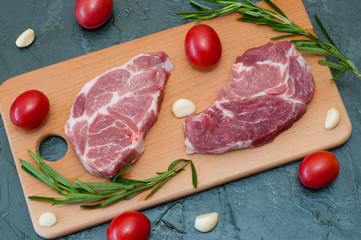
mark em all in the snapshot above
pixel 113 112
pixel 269 90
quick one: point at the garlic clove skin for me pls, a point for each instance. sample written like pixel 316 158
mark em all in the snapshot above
pixel 47 219
pixel 25 39
pixel 206 222
pixel 183 107
pixel 332 118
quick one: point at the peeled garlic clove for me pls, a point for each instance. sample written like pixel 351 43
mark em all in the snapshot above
pixel 183 107
pixel 206 222
pixel 47 219
pixel 25 39
pixel 332 118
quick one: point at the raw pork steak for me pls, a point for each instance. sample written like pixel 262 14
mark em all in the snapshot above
pixel 113 112
pixel 269 88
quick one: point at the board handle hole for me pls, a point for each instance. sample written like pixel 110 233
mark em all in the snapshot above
pixel 53 148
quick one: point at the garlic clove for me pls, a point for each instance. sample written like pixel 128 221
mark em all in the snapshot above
pixel 206 222
pixel 47 219
pixel 25 39
pixel 183 107
pixel 332 118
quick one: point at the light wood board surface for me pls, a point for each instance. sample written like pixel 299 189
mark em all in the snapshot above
pixel 165 140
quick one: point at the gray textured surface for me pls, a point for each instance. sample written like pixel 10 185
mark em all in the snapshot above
pixel 269 205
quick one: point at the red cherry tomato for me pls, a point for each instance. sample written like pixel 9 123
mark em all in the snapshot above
pixel 129 226
pixel 318 169
pixel 92 13
pixel 203 46
pixel 29 109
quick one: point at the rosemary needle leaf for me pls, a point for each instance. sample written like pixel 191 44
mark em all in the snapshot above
pixel 252 14
pixel 29 172
pixel 286 29
pixel 304 43
pixel 332 64
pixel 40 161
pixel 314 50
pixel 159 177
pixel 125 181
pixel 274 6
pixel 256 21
pixel 283 36
pixel 129 196
pixel 35 157
pixel 200 5
pixel 39 174
pixel 121 172
pixel 158 187
pixel 194 175
pixel 112 200
pixel 319 23
pixel 60 178
pixel 85 186
pixel 44 199
pixel 353 66
pixel 337 75
pixel 173 164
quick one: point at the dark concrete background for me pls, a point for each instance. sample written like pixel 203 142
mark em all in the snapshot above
pixel 269 205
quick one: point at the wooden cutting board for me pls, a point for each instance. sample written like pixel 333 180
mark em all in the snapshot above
pixel 165 141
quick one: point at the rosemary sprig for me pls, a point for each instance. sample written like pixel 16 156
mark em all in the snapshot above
pixel 106 192
pixel 279 22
